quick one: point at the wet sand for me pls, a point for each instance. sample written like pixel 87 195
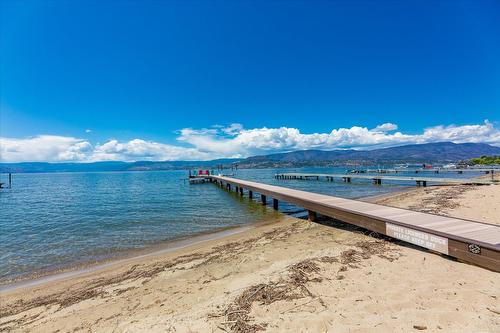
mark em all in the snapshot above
pixel 288 276
pixel 120 258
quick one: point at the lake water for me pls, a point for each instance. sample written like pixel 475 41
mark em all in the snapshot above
pixel 52 220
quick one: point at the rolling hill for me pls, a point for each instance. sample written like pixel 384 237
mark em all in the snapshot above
pixel 424 153
pixel 416 153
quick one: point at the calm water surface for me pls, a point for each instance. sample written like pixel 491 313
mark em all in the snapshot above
pixel 52 220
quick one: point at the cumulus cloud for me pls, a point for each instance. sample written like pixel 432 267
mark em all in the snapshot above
pixel 234 141
pixel 233 129
pixel 244 142
pixel 387 127
pixel 44 148
pixel 468 133
pixel 138 149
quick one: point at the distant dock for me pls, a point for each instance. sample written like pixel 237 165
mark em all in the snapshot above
pixel 202 178
pixel 471 241
pixel 432 170
pixel 377 179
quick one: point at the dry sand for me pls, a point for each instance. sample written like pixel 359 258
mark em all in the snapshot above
pixel 287 276
pixel 479 203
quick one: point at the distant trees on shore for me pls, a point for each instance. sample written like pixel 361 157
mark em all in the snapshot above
pixel 486 160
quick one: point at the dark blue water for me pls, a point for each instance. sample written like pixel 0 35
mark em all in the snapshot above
pixel 53 220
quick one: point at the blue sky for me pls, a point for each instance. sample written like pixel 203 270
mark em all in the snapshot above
pixel 99 80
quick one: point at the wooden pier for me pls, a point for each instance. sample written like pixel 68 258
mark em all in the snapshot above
pixel 377 179
pixel 471 241
pixel 433 170
pixel 201 179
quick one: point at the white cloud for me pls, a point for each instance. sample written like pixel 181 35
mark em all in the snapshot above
pixel 234 141
pixel 245 142
pixel 138 149
pixel 387 127
pixel 232 129
pixel 88 130
pixel 44 148
pixel 469 133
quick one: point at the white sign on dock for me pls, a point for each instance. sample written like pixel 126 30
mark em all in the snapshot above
pixel 417 237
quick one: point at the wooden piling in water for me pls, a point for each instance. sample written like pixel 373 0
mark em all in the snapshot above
pixel 263 199
pixel 275 204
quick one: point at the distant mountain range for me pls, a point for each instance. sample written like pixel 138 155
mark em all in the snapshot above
pixel 31 167
pixel 423 153
pixel 420 153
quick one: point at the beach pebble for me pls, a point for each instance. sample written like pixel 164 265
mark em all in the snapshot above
pixel 420 327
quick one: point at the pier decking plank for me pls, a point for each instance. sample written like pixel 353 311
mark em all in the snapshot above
pixel 471 241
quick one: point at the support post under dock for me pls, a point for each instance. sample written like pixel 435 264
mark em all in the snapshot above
pixel 263 199
pixel 312 216
pixel 275 204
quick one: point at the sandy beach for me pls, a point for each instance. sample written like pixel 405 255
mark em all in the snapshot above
pixel 288 275
pixel 249 166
